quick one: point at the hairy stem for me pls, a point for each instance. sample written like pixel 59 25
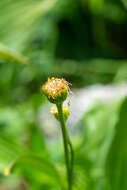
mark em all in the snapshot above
pixel 67 142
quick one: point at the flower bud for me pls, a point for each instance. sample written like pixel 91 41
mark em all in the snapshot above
pixel 56 90
pixel 54 111
pixel 6 171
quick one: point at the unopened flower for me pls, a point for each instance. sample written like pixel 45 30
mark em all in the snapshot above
pixel 7 171
pixel 56 90
pixel 66 113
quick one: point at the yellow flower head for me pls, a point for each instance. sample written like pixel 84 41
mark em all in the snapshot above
pixel 66 113
pixel 56 90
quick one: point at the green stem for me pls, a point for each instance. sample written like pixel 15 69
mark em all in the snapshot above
pixel 72 157
pixel 66 142
pixel 72 160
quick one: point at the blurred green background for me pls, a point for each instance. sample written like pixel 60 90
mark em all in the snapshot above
pixel 84 41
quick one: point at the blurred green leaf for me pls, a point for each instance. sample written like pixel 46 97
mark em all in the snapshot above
pixel 80 181
pixel 37 144
pixel 116 166
pixel 38 169
pixel 9 151
pixel 99 126
pixel 9 55
pixel 21 20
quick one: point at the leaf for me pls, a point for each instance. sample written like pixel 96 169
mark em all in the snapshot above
pixel 37 143
pixel 80 181
pixel 99 126
pixel 116 166
pixel 19 23
pixel 8 54
pixel 9 150
pixel 36 168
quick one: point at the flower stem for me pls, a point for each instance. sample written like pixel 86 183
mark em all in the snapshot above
pixel 72 160
pixel 67 142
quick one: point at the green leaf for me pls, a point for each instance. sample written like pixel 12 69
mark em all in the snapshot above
pixel 21 20
pixel 37 169
pixel 8 54
pixel 37 143
pixel 9 151
pixel 99 126
pixel 80 181
pixel 116 167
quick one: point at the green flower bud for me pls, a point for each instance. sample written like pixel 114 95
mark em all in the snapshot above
pixel 56 90
pixel 66 113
